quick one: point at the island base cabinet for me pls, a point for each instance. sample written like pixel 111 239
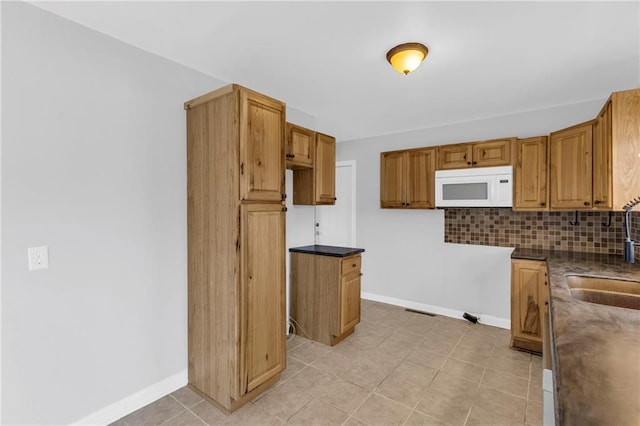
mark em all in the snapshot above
pixel 325 296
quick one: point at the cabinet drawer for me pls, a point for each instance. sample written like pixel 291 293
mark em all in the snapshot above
pixel 350 264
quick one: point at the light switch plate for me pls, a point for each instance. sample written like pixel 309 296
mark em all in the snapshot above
pixel 38 258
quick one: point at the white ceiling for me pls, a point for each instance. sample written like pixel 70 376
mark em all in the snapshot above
pixel 328 58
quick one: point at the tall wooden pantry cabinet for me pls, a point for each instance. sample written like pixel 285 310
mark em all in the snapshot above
pixel 236 244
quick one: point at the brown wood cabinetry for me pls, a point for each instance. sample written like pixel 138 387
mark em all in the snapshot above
pixel 325 296
pixel 317 185
pixel 529 303
pixel 571 167
pixel 407 179
pixel 530 175
pixel 300 147
pixel 457 156
pixel 597 164
pixel 616 151
pixel 495 152
pixel 236 244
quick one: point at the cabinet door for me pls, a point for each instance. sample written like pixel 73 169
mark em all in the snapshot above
pixel 420 179
pixel 570 160
pixel 325 169
pixel 527 303
pixel 530 180
pixel 602 165
pixel 392 179
pixel 300 147
pixel 455 156
pixel 262 126
pixel 349 301
pixel 492 153
pixel 262 294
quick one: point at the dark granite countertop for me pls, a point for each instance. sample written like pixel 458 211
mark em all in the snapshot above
pixel 596 348
pixel 327 250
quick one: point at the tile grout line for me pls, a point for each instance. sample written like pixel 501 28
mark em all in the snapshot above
pixel 188 409
pixel 357 408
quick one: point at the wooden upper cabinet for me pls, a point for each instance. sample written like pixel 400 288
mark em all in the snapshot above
pixel 300 147
pixel 571 167
pixel 530 175
pixel 602 176
pixel 317 185
pixel 407 179
pixel 496 152
pixel 392 179
pixel 262 266
pixel 325 169
pixel 616 151
pixel 420 179
pixel 493 153
pixel 458 156
pixel 262 127
pixel 529 295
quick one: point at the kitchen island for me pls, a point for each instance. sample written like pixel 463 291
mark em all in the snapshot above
pixel 325 291
pixel 595 348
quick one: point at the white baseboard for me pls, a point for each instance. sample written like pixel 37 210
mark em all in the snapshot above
pixel 131 403
pixel 482 319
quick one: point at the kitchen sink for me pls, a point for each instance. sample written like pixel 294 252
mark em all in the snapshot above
pixel 605 291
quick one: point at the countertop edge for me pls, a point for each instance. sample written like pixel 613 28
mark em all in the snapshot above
pixel 331 251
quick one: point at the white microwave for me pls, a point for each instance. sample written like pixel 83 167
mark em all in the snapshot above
pixel 475 187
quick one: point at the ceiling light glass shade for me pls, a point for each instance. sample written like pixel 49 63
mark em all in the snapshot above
pixel 406 57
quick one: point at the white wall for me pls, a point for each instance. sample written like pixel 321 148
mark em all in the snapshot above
pixel 94 166
pixel 406 260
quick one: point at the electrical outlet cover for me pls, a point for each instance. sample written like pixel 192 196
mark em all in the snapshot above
pixel 38 258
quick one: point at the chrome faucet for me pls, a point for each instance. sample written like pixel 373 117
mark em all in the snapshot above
pixel 629 245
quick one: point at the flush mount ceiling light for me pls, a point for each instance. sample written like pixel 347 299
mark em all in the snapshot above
pixel 406 57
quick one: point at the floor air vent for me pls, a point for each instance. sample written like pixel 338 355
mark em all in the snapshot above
pixel 420 312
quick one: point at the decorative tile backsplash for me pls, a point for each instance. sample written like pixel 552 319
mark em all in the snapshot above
pixel 541 230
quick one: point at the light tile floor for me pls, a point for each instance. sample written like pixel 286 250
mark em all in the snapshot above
pixel 398 368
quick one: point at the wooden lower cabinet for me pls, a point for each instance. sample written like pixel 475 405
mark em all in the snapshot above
pixel 262 296
pixel 529 303
pixel 325 296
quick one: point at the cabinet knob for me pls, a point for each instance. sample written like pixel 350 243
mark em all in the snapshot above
pixel 360 273
pixel 335 199
pixel 586 203
pixel 284 209
pixel 284 196
pixel 475 162
pixel 408 204
pixel 353 265
pixel 543 204
pixel 468 163
pixel 596 202
pixel 546 303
